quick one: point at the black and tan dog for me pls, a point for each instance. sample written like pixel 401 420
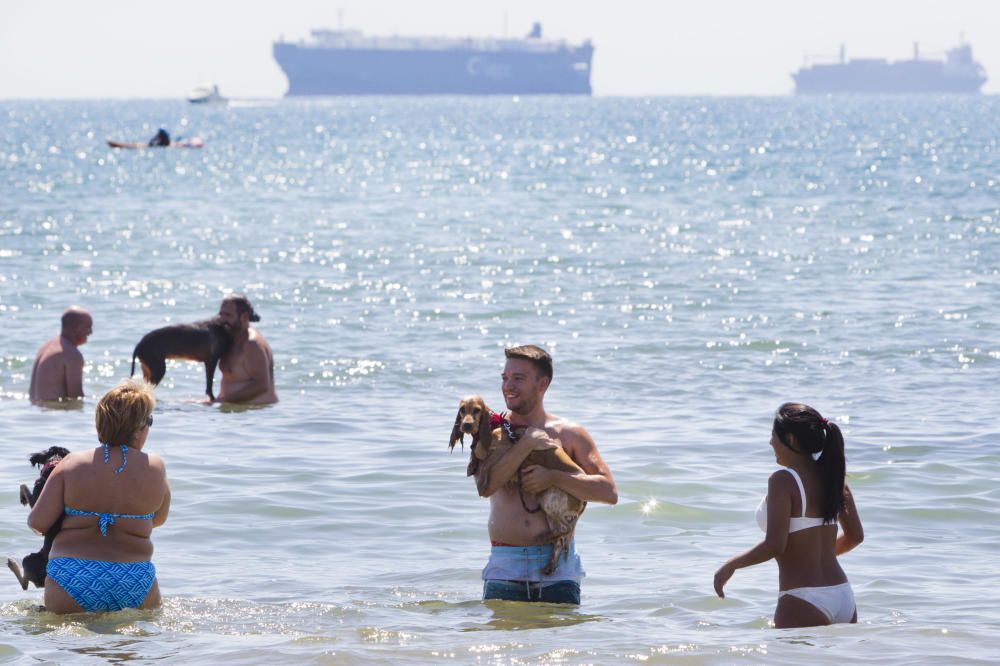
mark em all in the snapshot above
pixel 205 341
pixel 34 565
pixel 488 444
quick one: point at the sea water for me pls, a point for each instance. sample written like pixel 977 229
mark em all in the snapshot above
pixel 690 263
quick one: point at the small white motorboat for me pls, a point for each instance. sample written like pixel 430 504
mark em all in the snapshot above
pixel 206 94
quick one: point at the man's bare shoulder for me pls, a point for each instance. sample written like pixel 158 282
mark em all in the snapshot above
pixel 257 340
pixel 59 357
pixel 44 347
pixel 574 437
pixel 51 348
pixel 563 426
pixel 64 347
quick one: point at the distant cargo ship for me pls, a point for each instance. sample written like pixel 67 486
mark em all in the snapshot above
pixel 957 73
pixel 347 62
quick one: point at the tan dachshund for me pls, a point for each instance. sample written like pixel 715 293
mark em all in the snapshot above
pixel 561 509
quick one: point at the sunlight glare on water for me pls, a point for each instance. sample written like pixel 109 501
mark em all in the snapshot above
pixel 691 264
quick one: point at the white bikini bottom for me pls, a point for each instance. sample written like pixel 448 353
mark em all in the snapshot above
pixel 835 601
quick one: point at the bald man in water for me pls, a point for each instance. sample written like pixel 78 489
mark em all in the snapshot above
pixel 58 370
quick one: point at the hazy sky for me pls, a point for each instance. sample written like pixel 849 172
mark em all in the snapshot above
pixel 137 48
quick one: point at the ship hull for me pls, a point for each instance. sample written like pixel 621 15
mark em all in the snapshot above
pixel 339 71
pixel 884 78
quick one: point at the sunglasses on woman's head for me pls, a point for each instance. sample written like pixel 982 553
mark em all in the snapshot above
pixel 149 421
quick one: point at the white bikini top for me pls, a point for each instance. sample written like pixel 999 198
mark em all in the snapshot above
pixel 794 524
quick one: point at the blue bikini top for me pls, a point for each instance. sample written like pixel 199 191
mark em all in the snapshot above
pixel 105 520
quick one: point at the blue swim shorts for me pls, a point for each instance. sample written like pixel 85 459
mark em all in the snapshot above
pixel 558 592
pixel 515 573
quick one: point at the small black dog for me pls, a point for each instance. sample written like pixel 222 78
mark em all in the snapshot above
pixel 35 563
pixel 205 341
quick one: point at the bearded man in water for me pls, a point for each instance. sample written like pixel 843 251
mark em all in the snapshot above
pixel 248 366
pixel 514 570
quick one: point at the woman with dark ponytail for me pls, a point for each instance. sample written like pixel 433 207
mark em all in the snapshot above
pixel 799 515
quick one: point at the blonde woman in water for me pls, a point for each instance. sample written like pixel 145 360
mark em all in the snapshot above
pixel 110 498
pixel 799 515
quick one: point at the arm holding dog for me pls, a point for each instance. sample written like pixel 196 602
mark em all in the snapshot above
pixel 49 506
pixel 593 483
pixel 499 467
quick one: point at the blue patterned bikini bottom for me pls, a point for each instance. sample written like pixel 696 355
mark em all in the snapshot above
pixel 103 586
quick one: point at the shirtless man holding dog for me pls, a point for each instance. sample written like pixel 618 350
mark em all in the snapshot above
pixel 514 570
pixel 248 367
pixel 58 370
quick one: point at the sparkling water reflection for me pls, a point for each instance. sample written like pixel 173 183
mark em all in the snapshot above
pixel 691 263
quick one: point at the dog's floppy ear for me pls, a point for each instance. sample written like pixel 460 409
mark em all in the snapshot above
pixel 456 431
pixel 482 450
pixel 43 457
pixel 484 434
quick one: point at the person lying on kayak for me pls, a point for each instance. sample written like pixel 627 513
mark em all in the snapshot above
pixel 162 139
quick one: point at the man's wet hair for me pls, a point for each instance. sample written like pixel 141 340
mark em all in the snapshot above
pixel 537 356
pixel 242 304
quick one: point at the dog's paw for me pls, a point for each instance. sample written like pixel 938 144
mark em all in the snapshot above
pixel 14 566
pixel 25 495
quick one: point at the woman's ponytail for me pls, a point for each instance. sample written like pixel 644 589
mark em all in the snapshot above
pixel 833 468
pixel 824 442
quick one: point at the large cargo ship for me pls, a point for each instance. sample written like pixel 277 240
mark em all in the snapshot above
pixel 347 62
pixel 957 73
